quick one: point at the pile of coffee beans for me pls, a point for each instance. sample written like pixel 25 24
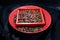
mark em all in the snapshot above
pixel 29 16
pixel 29 29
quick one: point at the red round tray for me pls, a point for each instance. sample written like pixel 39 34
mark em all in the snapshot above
pixel 45 17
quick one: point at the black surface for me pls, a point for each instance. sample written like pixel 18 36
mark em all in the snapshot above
pixel 8 33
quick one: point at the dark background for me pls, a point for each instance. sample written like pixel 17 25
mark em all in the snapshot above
pixel 46 2
pixel 8 33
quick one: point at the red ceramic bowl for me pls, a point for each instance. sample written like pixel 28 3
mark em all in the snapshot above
pixel 18 21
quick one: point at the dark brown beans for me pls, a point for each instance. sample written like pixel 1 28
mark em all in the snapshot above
pixel 29 16
pixel 30 29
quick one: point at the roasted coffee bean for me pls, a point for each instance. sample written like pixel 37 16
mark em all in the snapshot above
pixel 20 21
pixel 29 29
pixel 15 17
